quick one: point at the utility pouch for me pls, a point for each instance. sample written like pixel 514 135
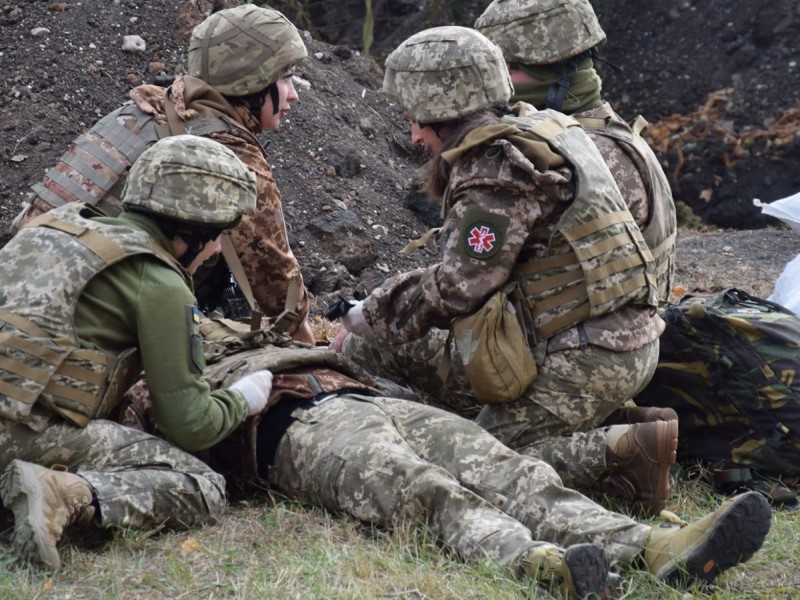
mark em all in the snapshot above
pixel 494 350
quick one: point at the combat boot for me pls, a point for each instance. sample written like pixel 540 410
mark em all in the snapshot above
pixel 44 502
pixel 702 550
pixel 640 414
pixel 581 570
pixel 638 459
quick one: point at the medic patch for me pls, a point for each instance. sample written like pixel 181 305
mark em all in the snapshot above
pixel 197 359
pixel 482 234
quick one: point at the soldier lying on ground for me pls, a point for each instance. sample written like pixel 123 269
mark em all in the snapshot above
pixel 238 83
pixel 88 301
pixel 532 215
pixel 328 437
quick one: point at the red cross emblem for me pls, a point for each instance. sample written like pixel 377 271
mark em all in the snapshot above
pixel 481 239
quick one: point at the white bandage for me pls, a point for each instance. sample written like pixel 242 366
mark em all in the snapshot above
pixel 255 389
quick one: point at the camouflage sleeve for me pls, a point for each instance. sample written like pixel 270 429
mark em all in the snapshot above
pixel 627 176
pixel 260 239
pixel 487 226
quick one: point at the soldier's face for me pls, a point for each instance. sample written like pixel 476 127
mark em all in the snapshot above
pixel 520 76
pixel 424 135
pixel 287 95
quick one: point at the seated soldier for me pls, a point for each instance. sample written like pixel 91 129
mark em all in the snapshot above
pixel 88 301
pixel 238 83
pixel 328 437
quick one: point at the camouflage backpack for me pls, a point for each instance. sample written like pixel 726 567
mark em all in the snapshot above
pixel 728 365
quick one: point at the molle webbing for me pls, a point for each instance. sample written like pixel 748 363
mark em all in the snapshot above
pixel 69 380
pixel 598 258
pixel 661 228
pixel 94 167
pixel 41 361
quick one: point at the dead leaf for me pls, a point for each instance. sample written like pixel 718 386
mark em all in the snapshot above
pixel 57 7
pixel 706 194
pixel 191 545
pixel 48 586
pixel 678 290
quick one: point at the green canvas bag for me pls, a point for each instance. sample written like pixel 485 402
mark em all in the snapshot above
pixel 729 365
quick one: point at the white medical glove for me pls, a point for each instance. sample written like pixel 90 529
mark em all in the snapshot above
pixel 255 389
pixel 355 322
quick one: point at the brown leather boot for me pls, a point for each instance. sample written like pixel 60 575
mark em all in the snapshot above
pixel 640 414
pixel 638 459
pixel 44 502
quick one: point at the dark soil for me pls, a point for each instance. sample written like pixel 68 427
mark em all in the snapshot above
pixel 343 159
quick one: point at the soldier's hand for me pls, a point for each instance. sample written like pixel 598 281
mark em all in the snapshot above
pixel 338 341
pixel 255 389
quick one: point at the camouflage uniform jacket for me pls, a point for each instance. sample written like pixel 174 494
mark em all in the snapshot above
pixel 121 291
pixel 517 206
pixel 94 168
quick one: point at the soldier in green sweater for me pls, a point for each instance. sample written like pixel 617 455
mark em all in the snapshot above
pixel 88 302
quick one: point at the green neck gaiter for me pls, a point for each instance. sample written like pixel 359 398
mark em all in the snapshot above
pixel 583 94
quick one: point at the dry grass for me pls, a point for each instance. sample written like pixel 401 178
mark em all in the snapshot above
pixel 272 548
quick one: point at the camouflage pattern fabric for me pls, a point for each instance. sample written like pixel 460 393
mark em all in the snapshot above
pixel 541 32
pixel 446 72
pixel 139 480
pixel 191 179
pixel 521 220
pixel 260 238
pixel 557 417
pixel 728 367
pixel 242 50
pixel 388 461
pixel 45 293
pixel 640 179
pixel 643 184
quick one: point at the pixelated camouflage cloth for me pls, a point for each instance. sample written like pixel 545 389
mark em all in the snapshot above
pixel 613 135
pixel 728 365
pixel 233 351
pixel 95 166
pixel 598 258
pixel 40 355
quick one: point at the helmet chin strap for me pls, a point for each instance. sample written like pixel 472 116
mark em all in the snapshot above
pixel 189 256
pixel 195 242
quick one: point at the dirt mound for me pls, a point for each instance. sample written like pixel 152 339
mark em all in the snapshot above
pixel 343 158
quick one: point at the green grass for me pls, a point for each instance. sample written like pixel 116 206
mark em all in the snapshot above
pixel 272 548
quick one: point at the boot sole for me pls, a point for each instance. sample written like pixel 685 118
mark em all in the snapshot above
pixel 735 537
pixel 587 571
pixel 21 491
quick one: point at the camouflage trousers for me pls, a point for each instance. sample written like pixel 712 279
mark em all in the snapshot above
pixel 388 461
pixel 556 419
pixel 138 480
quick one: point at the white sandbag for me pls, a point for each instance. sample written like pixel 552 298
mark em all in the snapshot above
pixel 786 209
pixel 787 286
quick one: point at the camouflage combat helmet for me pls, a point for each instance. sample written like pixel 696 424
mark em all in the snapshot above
pixel 242 50
pixel 446 72
pixel 541 32
pixel 193 180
